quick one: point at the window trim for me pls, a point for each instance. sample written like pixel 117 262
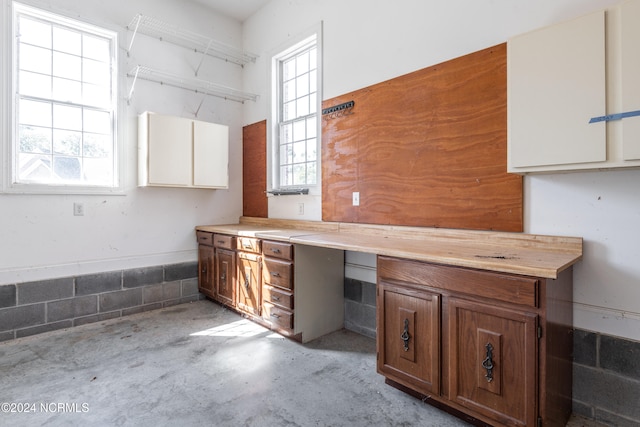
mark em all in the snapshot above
pixel 8 90
pixel 273 163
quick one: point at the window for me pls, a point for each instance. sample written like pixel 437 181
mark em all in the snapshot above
pixel 296 136
pixel 65 104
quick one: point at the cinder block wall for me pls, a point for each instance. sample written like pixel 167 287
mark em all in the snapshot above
pixel 360 307
pixel 35 307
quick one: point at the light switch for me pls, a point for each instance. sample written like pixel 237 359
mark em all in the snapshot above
pixel 356 198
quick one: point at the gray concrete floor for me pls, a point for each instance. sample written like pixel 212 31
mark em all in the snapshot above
pixel 199 365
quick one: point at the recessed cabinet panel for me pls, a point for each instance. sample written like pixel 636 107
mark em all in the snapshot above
pixel 249 279
pixel 493 356
pixel 630 54
pixel 556 84
pixel 210 155
pixel 225 276
pixel 409 324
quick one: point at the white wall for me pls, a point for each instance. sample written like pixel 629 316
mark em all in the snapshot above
pixel 369 41
pixel 39 236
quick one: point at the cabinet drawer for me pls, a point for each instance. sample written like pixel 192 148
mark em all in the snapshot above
pixel 277 249
pixel 278 297
pixel 278 273
pixel 204 238
pixel 223 241
pixel 498 286
pixel 277 316
pixel 248 244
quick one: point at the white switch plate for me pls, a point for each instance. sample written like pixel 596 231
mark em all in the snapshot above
pixel 356 198
pixel 300 208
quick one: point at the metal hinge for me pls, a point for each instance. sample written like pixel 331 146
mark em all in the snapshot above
pixel 539 331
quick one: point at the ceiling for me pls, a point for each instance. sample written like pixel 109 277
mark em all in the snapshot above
pixel 237 9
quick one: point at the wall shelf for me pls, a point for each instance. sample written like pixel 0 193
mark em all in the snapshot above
pixel 196 85
pixel 173 34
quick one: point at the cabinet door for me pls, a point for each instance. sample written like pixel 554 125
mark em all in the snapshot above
pixel 169 150
pixel 206 270
pixel 225 276
pixel 409 337
pixel 556 84
pixel 249 284
pixel 493 358
pixel 630 54
pixel 210 155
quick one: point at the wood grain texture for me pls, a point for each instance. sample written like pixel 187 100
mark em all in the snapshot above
pixel 254 170
pixel 425 149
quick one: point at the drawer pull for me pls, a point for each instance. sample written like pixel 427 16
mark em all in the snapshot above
pixel 488 362
pixel 275 274
pixel 275 316
pixel 275 250
pixel 221 241
pixel 405 335
pixel 274 298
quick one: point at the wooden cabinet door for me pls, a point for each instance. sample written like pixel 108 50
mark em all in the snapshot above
pixel 493 358
pixel 225 276
pixel 206 270
pixel 409 337
pixel 249 282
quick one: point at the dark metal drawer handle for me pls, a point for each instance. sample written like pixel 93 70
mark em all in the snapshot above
pixel 221 241
pixel 275 274
pixel 274 298
pixel 275 316
pixel 487 363
pixel 405 335
pixel 275 250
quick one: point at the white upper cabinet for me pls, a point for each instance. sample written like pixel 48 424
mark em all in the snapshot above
pixel 562 81
pixel 179 152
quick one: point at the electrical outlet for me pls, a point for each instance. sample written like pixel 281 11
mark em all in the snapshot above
pixel 300 208
pixel 78 209
pixel 356 198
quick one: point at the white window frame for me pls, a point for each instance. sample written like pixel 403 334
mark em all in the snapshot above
pixel 273 141
pixel 9 93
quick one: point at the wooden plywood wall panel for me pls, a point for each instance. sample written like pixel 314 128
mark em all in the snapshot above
pixel 425 149
pixel 254 170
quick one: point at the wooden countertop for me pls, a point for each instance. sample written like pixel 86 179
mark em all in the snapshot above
pixel 517 253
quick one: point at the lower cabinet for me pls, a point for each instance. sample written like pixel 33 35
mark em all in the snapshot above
pixel 295 290
pixel 493 346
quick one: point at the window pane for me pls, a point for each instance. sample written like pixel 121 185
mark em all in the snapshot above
pixel 311 173
pixel 32 84
pixel 311 150
pixel 67 168
pixel 65 117
pixel 34 139
pixel 96 48
pixel 299 131
pixel 313 81
pixel 313 58
pixel 99 171
pixel 286 154
pixel 286 175
pixel 68 66
pixel 289 91
pixel 299 174
pixel 66 142
pixel 97 121
pixel 96 96
pixel 67 90
pixel 97 145
pixel 302 85
pixel 33 58
pixel 313 103
pixel 34 168
pixel 35 113
pixel 311 127
pixel 65 40
pixel 286 133
pixel 95 72
pixel 289 69
pixel 289 111
pixel 34 32
pixel 299 152
pixel 302 106
pixel 302 63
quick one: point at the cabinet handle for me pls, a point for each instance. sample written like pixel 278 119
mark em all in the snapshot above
pixel 405 335
pixel 275 274
pixel 487 363
pixel 247 276
pixel 275 316
pixel 275 250
pixel 274 298
pixel 221 241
